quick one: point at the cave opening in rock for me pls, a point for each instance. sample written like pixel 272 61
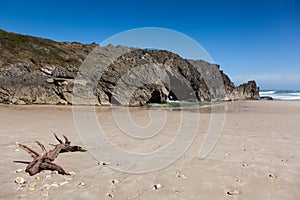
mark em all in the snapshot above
pixel 155 97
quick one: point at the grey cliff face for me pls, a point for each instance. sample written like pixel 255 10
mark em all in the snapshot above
pixel 152 76
pixel 135 77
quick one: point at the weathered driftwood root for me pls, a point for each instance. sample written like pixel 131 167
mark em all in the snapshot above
pixel 44 161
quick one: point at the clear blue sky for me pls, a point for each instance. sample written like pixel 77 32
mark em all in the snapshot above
pixel 250 39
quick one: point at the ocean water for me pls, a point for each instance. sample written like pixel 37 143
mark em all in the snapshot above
pixel 288 95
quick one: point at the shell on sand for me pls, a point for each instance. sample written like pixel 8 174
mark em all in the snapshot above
pixel 180 175
pixel 72 173
pixel 177 191
pixel 81 184
pixel 45 193
pixel 110 195
pixel 67 178
pixel 20 180
pixel 48 176
pixel 47 186
pixel 156 186
pixel 19 171
pixel 103 163
pixel 238 180
pixel 32 186
pixel 272 176
pixel 64 183
pixel 55 185
pixel 233 192
pixel 245 165
pixel 41 177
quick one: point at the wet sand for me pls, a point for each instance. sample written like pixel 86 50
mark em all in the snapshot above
pixel 256 157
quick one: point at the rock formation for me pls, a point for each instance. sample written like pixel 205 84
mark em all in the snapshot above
pixel 42 71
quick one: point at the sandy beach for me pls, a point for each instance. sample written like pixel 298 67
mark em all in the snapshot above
pixel 256 157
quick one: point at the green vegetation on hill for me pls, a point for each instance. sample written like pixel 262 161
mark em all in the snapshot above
pixel 16 48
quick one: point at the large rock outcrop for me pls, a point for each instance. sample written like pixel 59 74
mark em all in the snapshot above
pixel 41 71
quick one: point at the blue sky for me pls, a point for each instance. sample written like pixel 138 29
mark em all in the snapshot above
pixel 249 39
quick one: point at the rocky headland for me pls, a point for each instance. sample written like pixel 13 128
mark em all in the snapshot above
pixel 41 71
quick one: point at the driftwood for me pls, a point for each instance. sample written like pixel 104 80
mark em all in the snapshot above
pixel 45 161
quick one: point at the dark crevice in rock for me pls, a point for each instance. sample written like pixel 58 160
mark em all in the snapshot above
pixel 109 96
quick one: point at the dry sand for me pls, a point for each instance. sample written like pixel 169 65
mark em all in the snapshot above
pixel 256 157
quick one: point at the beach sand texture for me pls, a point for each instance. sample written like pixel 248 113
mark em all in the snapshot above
pixel 256 157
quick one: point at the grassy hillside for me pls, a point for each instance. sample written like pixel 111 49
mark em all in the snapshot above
pixel 16 48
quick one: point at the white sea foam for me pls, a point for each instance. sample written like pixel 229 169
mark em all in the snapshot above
pixel 282 95
pixel 263 93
